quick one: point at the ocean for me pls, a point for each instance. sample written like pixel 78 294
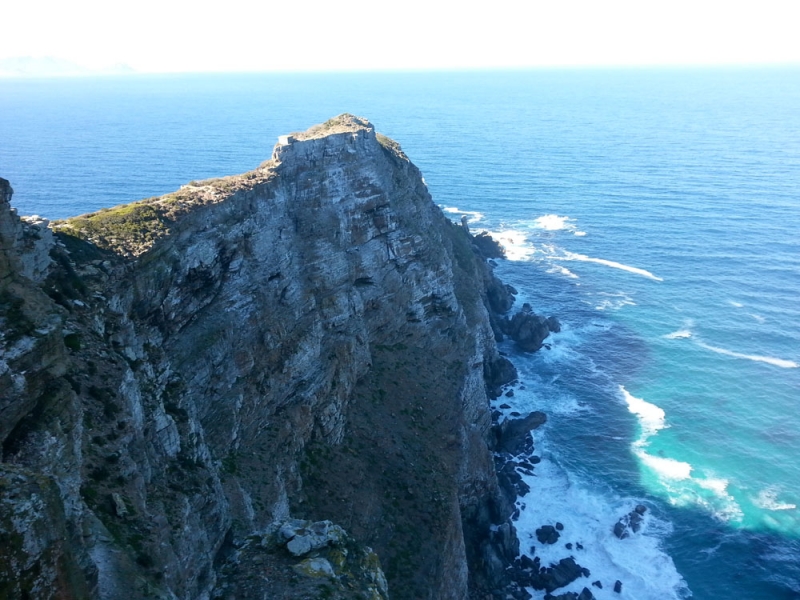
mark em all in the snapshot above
pixel 654 212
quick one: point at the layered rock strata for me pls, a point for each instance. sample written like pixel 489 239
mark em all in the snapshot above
pixel 181 376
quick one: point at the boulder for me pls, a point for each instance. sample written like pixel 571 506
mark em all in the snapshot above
pixel 564 573
pixel 487 245
pixel 547 534
pixel 528 329
pixel 497 373
pixel 515 434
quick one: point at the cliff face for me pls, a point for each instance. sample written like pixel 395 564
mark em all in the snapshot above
pixel 308 340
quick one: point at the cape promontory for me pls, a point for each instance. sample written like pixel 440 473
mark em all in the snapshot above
pixel 267 385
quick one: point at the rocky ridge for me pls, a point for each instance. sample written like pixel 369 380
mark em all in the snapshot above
pixel 184 376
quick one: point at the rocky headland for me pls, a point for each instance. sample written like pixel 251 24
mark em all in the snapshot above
pixel 272 384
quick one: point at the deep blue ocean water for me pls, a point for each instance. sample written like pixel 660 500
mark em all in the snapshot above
pixel 655 212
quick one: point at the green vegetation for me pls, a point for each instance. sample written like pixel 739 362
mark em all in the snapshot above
pixel 127 229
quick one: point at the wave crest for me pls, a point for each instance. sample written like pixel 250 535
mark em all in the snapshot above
pixel 611 263
pixel 778 362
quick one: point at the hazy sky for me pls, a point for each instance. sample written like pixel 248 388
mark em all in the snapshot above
pixel 234 35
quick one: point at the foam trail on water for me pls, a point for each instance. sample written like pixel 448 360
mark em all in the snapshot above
pixel 611 263
pixel 778 362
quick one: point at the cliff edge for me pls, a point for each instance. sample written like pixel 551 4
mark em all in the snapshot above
pixel 274 382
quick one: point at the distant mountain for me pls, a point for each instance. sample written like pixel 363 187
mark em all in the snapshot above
pixel 49 66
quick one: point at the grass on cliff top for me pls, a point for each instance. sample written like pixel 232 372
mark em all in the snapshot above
pixel 132 229
pixel 129 229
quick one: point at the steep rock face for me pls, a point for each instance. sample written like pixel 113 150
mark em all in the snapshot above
pixel 306 340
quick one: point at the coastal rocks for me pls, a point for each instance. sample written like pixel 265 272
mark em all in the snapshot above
pixel 514 435
pixel 528 329
pixel 497 373
pixel 488 246
pixel 547 534
pixel 558 575
pixel 630 523
pixel 335 567
pixel 585 594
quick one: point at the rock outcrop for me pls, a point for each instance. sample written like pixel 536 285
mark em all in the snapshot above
pixel 182 375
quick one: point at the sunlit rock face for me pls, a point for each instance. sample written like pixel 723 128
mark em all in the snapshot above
pixel 307 340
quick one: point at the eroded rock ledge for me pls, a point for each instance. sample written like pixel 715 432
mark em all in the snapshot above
pixel 310 340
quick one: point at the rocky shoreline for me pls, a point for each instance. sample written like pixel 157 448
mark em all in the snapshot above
pixel 514 451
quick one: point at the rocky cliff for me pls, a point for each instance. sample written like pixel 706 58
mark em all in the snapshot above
pixel 198 388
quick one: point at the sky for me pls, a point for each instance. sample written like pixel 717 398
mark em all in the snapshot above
pixel 344 35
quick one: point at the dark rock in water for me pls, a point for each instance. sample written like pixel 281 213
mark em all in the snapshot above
pixel 553 324
pixel 632 522
pixel 620 530
pixel 585 594
pixel 505 539
pixel 560 526
pixel 535 459
pixel 568 546
pixel 511 482
pixel 618 586
pixel 586 572
pixel 516 414
pixel 521 594
pixel 510 394
pixel 504 406
pixel 579 546
pixel 487 245
pixel 564 573
pixel 497 374
pixel 526 562
pixel 597 584
pixel 547 534
pixel 515 433
pixel 528 329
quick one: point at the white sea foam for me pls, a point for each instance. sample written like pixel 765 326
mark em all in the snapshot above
pixel 651 417
pixel 768 500
pixel 472 216
pixel 680 334
pixel 614 301
pixel 646 571
pixel 678 478
pixel 778 362
pixel 611 263
pixel 758 318
pixel 553 223
pixel 666 467
pixel 580 233
pixel 562 271
pixel 735 304
pixel 515 243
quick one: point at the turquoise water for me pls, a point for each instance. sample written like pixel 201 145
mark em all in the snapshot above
pixel 655 212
